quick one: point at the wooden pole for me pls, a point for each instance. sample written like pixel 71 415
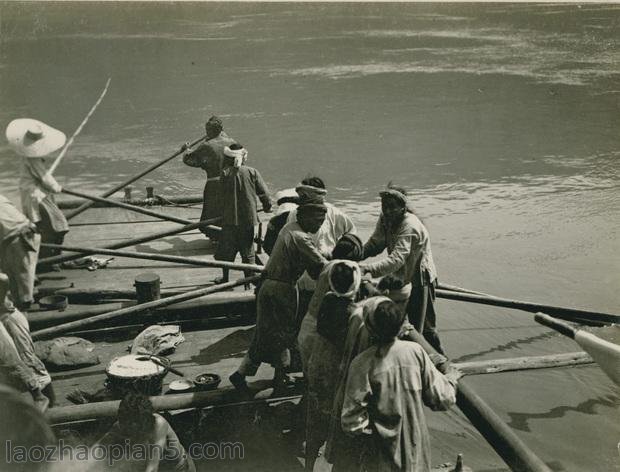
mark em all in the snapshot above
pixel 556 311
pixel 181 401
pixel 128 207
pixel 455 288
pixel 524 363
pixel 135 241
pixel 199 308
pixel 517 455
pixel 158 257
pixel 124 184
pixel 186 200
pixel 74 325
pixel 79 129
pixel 217 399
pixel 559 326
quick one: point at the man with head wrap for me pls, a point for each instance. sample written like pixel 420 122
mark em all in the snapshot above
pixel 387 386
pixel 336 225
pixel 325 347
pixel 276 303
pixel 409 258
pixel 209 156
pixel 240 186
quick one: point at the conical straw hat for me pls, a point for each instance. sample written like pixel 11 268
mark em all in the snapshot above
pixel 33 138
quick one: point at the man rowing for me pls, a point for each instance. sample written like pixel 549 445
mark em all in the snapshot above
pixel 209 156
pixel 34 140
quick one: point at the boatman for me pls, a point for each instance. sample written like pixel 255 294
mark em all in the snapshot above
pixel 13 371
pixel 33 140
pixel 19 243
pixel 240 186
pixel 276 304
pixel 209 156
pixel 409 258
pixel 387 386
pixel 336 225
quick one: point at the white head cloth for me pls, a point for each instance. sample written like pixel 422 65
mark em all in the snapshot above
pixel 355 285
pixel 239 155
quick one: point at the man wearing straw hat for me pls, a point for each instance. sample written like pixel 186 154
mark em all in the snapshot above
pixel 409 258
pixel 33 140
pixel 209 156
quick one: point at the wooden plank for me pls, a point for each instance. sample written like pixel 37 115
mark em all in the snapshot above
pixel 524 363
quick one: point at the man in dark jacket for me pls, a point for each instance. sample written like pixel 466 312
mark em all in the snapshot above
pixel 209 156
pixel 240 185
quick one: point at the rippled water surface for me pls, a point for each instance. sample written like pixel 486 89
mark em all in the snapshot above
pixel 502 120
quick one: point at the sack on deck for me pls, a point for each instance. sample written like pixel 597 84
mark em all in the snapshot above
pixel 66 353
pixel 157 340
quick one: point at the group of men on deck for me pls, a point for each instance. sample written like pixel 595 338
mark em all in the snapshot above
pixel 355 340
pixel 365 376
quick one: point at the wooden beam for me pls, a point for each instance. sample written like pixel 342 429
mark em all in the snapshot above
pixel 79 324
pixel 158 257
pixel 524 363
pixel 556 311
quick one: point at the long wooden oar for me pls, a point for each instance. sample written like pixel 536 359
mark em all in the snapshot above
pixel 556 311
pixel 135 241
pixel 124 184
pixel 74 325
pixel 158 257
pixel 498 434
pixel 127 207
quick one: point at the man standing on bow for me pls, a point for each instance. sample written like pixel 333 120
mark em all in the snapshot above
pixel 34 140
pixel 209 156
pixel 240 186
pixel 409 258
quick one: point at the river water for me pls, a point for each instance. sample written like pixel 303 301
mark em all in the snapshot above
pixel 501 119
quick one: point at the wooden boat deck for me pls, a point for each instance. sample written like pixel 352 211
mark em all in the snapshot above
pixel 217 350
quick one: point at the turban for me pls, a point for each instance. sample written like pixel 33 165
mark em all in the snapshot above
pixel 310 194
pixel 311 209
pixel 239 155
pixel 396 194
pixel 355 284
pixel 348 247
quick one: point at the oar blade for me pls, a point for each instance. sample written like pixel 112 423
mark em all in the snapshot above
pixel 605 353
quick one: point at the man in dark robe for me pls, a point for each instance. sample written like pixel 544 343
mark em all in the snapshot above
pixel 209 156
pixel 240 186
